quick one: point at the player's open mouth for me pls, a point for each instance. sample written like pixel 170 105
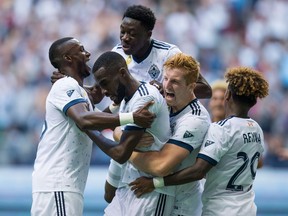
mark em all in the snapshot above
pixel 169 95
pixel 126 46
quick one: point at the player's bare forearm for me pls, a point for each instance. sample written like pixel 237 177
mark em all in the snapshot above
pixel 121 151
pixel 189 174
pixel 149 162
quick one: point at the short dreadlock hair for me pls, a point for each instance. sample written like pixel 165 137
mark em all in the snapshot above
pixel 142 14
pixel 246 84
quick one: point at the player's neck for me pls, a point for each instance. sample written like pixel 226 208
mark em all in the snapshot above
pixel 71 73
pixel 144 52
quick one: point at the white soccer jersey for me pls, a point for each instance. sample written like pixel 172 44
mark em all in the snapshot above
pixel 144 70
pixel 189 127
pixel 151 66
pixel 233 145
pixel 64 151
pixel 160 129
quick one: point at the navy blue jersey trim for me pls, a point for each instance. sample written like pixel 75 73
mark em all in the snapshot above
pixel 207 158
pixel 161 44
pixel 131 128
pixel 71 103
pixel 196 109
pixel 139 60
pixel 222 122
pixel 181 144
pixel 192 102
pixel 160 47
pixel 60 203
pixel 142 89
pixel 160 208
pixel 119 46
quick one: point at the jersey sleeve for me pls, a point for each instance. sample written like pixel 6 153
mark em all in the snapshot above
pixel 214 145
pixel 189 133
pixel 67 93
pixel 172 51
pixel 142 100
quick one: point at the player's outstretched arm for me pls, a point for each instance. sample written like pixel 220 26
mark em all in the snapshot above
pixel 122 151
pixel 189 174
pixel 196 172
pixel 88 120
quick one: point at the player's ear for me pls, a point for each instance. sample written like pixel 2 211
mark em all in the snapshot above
pixel 192 86
pixel 149 33
pixel 228 95
pixel 67 58
pixel 123 71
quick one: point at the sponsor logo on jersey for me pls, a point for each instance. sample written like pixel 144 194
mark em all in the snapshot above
pixel 250 124
pixel 129 60
pixel 208 143
pixel 154 71
pixel 69 92
pixel 188 134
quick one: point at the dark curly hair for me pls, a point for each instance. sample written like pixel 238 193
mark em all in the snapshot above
pixel 143 14
pixel 246 84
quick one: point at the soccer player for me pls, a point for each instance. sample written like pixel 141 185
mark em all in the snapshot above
pixel 189 122
pixel 64 151
pixel 111 73
pixel 145 58
pixel 216 102
pixel 230 153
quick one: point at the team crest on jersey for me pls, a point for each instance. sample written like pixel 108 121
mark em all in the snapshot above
pixel 208 143
pixel 188 134
pixel 69 92
pixel 154 71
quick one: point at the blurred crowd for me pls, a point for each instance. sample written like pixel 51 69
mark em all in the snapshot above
pixel 218 33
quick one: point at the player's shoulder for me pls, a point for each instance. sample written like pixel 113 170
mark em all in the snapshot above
pixel 117 47
pixel 162 45
pixel 225 122
pixel 64 83
pixel 146 89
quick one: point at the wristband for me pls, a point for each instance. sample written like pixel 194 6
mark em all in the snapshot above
pixel 126 118
pixel 114 108
pixel 158 182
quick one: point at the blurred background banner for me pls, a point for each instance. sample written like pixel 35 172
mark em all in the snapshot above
pixel 218 33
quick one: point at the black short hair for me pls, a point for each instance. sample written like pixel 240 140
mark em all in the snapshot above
pixel 110 60
pixel 54 51
pixel 143 14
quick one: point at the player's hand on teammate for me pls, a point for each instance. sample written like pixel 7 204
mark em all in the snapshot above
pixel 158 85
pixel 55 76
pixel 95 93
pixel 143 117
pixel 142 186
